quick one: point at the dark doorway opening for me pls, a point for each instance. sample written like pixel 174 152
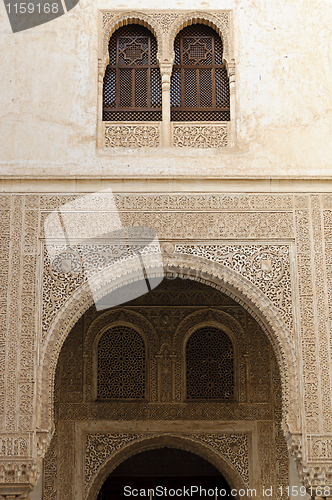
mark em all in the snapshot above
pixel 162 474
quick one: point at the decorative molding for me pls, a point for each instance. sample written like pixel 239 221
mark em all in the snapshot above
pixel 165 411
pixel 14 496
pixel 14 446
pixel 183 203
pixel 18 471
pixel 317 474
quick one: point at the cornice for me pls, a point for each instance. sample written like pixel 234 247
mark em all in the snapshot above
pixel 165 184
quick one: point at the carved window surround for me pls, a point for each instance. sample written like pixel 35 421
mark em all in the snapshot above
pixel 165 25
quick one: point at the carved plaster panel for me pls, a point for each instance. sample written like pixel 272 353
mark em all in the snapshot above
pixel 165 411
pixel 199 135
pixel 131 135
pixel 233 448
pixel 267 266
pixel 178 202
pixel 196 217
pixel 99 447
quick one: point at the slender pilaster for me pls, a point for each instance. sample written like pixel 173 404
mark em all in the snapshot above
pixel 100 129
pixel 232 141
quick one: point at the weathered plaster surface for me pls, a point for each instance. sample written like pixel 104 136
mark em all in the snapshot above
pixel 48 96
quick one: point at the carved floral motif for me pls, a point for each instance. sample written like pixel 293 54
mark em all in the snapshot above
pixel 243 217
pixel 100 447
pixel 266 266
pixel 131 136
pixel 199 136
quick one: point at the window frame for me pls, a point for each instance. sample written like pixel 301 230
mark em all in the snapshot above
pixel 95 365
pixel 232 337
pixel 182 67
pixel 178 137
pixel 133 68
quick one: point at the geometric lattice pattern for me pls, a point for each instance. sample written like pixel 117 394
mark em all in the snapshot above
pixel 121 364
pixel 198 116
pixel 135 116
pixel 132 81
pixel 210 365
pixel 199 82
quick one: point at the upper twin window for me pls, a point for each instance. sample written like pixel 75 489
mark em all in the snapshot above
pixel 122 365
pixel 132 82
pixel 199 82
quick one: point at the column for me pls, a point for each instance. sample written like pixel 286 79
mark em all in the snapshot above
pixel 166 71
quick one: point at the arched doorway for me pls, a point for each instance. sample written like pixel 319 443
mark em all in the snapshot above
pixel 164 472
pixel 97 430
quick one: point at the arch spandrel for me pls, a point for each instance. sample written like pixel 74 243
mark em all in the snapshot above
pixel 216 275
pixel 165 27
pixel 186 443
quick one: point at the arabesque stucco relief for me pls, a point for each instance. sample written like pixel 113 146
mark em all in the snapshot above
pixel 283 241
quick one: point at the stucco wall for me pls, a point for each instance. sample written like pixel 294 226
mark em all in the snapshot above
pixel 48 94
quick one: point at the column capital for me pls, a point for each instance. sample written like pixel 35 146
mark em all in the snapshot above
pixel 166 67
pixel 14 491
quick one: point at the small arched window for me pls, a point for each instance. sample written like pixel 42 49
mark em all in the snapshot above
pixel 199 82
pixel 132 81
pixel 121 364
pixel 209 365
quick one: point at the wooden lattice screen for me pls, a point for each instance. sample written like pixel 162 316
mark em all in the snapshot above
pixel 132 81
pixel 199 83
